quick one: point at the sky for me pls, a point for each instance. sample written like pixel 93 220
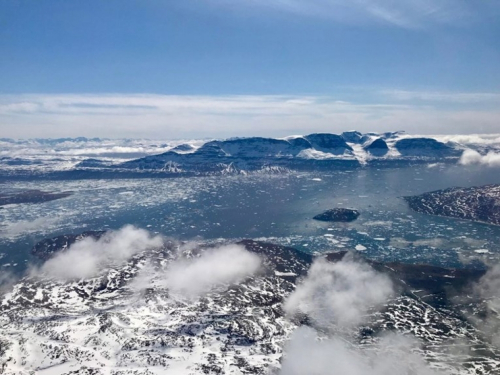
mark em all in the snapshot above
pixel 177 69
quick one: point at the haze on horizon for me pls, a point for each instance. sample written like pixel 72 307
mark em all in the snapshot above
pixel 222 68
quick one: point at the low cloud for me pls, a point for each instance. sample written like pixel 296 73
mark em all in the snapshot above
pixel 7 279
pixel 393 354
pixel 471 157
pixel 86 258
pixel 342 294
pixel 192 277
pixel 18 228
pixel 339 293
pixel 488 289
pixel 476 139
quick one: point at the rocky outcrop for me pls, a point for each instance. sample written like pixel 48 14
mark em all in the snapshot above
pixel 481 203
pixel 338 215
pixel 424 147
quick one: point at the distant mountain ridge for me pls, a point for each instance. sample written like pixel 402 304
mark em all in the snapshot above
pixel 100 158
pixel 313 151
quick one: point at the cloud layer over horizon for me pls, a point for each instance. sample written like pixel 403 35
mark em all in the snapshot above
pixel 172 116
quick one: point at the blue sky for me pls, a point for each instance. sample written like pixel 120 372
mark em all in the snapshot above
pixel 215 68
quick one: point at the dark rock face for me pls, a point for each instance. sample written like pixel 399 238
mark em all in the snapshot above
pixel 210 150
pixel 90 163
pixel 300 143
pixel 331 143
pixel 30 196
pixel 182 148
pixel 352 136
pixel 257 147
pixel 424 147
pixel 47 248
pixel 377 148
pixel 476 203
pixel 338 214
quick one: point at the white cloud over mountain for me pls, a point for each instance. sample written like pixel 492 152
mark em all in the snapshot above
pixel 339 293
pixel 86 258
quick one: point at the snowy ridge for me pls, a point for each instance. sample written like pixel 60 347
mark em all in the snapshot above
pixel 310 152
pixel 126 321
pixel 481 203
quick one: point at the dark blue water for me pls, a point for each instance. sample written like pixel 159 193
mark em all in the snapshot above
pixel 272 208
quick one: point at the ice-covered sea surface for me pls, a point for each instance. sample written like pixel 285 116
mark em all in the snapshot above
pixel 277 209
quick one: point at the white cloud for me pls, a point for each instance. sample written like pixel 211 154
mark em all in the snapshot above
pixel 479 139
pixel 86 258
pixel 339 293
pixel 443 96
pixel 471 157
pixel 170 116
pixel 393 354
pixel 7 280
pixel 488 289
pixel 192 277
pixel 21 227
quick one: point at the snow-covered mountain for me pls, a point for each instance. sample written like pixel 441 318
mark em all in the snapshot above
pixel 131 318
pixel 313 151
pixel 317 151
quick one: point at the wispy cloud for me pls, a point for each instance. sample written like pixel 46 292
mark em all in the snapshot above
pixel 443 96
pixel 405 14
pixel 170 116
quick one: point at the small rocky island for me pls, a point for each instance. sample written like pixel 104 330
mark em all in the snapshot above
pixel 338 215
pixel 479 203
pixel 30 196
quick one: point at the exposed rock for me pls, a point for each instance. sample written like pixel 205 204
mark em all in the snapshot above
pixel 30 196
pixel 330 143
pixel 480 203
pixel 377 148
pixel 338 214
pixel 428 147
pixel 183 148
pixel 352 136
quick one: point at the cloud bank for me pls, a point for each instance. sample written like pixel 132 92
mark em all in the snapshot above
pixel 472 157
pixel 171 116
pixel 86 258
pixel 341 293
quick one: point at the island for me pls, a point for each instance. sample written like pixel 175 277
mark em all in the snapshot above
pixel 338 215
pixel 478 203
pixel 30 196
